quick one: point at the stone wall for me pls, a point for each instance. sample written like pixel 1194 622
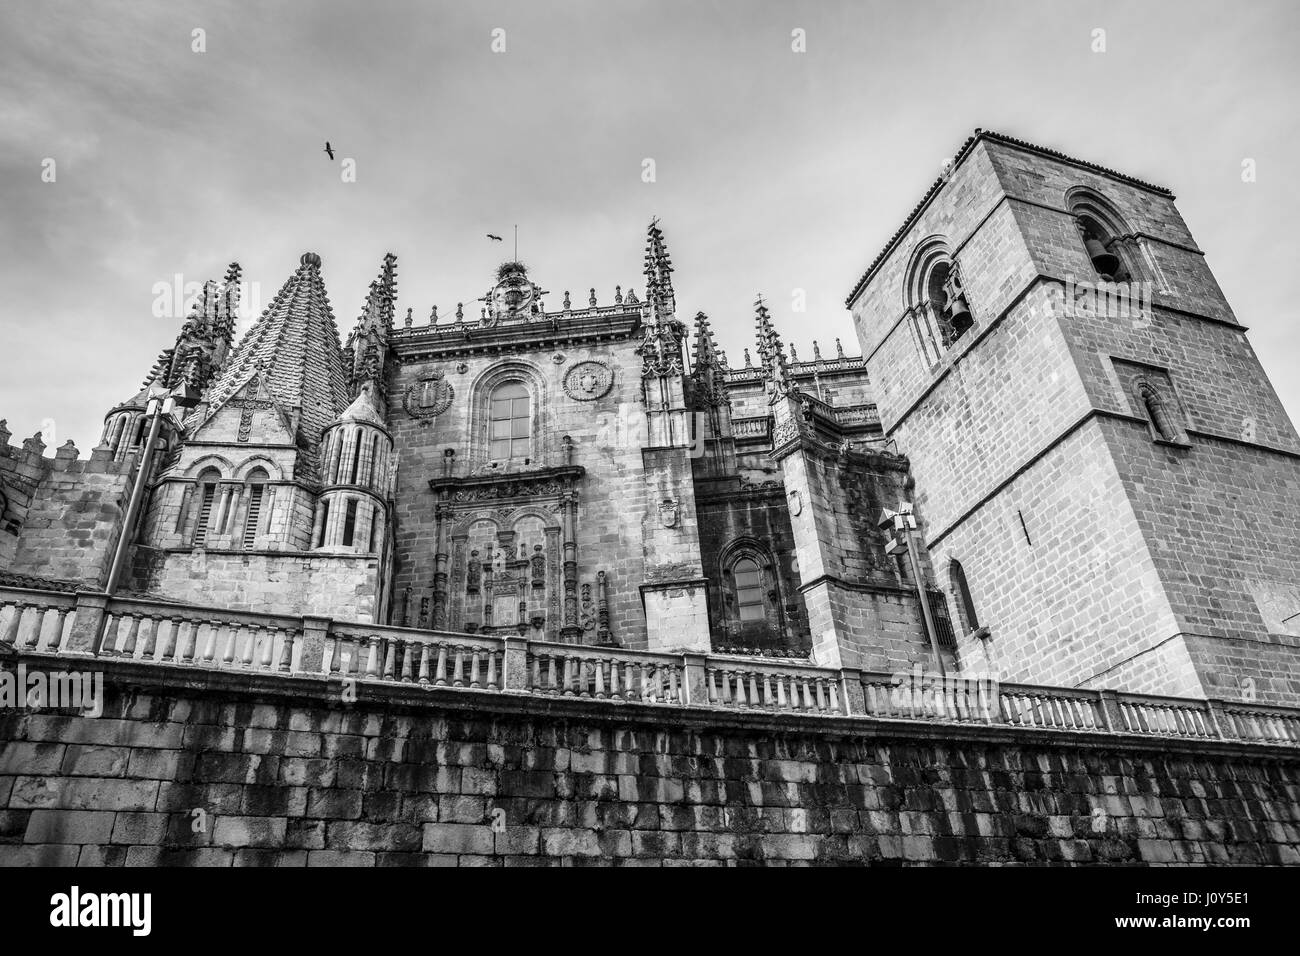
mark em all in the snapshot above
pixel 72 511
pixel 259 772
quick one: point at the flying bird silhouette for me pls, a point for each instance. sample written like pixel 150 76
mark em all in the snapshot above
pixel 494 238
pixel 329 150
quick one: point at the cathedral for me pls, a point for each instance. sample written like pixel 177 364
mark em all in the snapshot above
pixel 1050 455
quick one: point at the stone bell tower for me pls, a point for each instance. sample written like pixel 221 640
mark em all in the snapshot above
pixel 1109 486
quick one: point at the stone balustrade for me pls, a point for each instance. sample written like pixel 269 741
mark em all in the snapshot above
pixel 159 633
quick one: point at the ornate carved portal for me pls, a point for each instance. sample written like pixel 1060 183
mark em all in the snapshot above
pixel 506 558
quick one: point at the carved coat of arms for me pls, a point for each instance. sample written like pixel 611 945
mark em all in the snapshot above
pixel 429 397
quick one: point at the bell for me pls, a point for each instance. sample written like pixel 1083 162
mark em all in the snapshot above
pixel 1103 260
pixel 959 313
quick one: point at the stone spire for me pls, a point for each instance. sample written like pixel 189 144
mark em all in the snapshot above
pixel 771 352
pixel 201 345
pixel 368 343
pixel 708 368
pixel 659 296
pixel 661 343
pixel 294 348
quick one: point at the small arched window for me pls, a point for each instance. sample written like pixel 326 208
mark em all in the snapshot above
pixel 207 489
pixel 509 425
pixel 256 494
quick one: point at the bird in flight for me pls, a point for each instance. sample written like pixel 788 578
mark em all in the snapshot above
pixel 494 238
pixel 329 150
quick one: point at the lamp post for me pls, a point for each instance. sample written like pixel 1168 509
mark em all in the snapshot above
pixel 162 401
pixel 903 524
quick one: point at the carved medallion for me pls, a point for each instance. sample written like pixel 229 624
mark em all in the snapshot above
pixel 429 397
pixel 588 381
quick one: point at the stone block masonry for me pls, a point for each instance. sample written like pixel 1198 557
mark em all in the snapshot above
pixel 248 773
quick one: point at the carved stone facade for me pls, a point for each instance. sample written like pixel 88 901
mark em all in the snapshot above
pixel 1118 493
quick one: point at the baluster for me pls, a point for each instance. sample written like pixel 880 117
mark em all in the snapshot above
pixel 644 681
pixel 254 635
pixel 727 697
pixel 286 650
pixel 569 679
pixel 151 642
pixel 458 667
pixel 424 663
pixel 674 684
pixel 711 682
pixel 536 683
pixel 833 695
pixel 629 681
pixel 473 668
pixel 127 645
pixel 33 638
pixel 208 650
pixel 10 638
pixel 408 661
pixel 64 612
pixel 268 648
pixel 335 659
pixel 600 678
pixel 821 694
pixel 107 644
pixel 372 660
pixel 738 698
pixel 232 641
pixel 781 702
pixel 440 676
pixel 390 659
pixel 492 670
pixel 613 679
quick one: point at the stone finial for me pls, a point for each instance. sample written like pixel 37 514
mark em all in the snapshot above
pixel 749 362
pixel 34 445
pixel 566 300
pixel 460 311
pixel 4 431
pixel 67 450
pixel 591 301
pixel 839 348
pixel 433 316
pixel 618 295
pixel 817 351
pixel 794 355
pixel 631 297
pixel 409 317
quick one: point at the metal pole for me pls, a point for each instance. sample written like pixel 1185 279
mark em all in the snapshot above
pixel 137 492
pixel 920 593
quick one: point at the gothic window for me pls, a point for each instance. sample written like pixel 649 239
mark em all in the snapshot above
pixel 207 485
pixel 255 493
pixel 747 580
pixel 509 425
pixel 374 527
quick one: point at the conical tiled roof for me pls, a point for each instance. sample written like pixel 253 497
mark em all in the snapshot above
pixel 363 408
pixel 294 346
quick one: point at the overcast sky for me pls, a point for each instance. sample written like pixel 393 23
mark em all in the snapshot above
pixel 774 170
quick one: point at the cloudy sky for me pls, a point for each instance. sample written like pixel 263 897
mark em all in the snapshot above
pixel 774 170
